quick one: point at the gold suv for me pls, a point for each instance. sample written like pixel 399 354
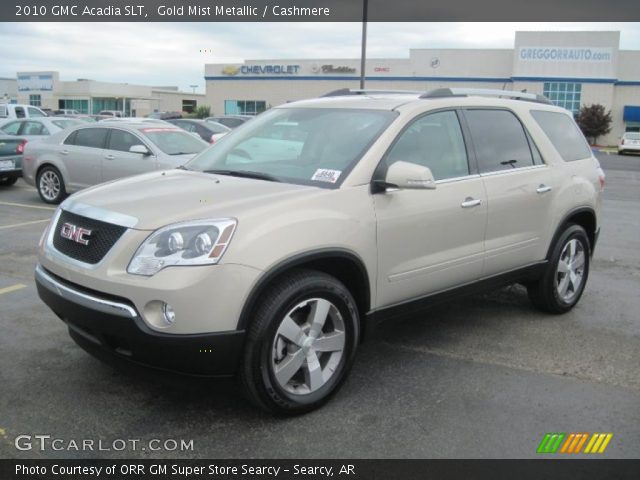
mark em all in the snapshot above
pixel 267 254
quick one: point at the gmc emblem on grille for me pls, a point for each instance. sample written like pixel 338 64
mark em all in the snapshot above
pixel 75 233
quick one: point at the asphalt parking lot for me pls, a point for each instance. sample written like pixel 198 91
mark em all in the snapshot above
pixel 483 377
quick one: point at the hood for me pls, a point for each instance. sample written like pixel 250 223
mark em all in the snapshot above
pixel 164 197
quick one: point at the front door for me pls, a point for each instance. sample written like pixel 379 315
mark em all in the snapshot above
pixel 119 162
pixel 430 240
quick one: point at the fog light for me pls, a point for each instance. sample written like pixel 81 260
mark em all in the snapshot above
pixel 168 313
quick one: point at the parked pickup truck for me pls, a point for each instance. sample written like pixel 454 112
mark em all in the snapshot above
pixel 13 110
pixel 11 149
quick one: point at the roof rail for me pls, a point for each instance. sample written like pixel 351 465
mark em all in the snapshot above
pixel 351 91
pixel 486 92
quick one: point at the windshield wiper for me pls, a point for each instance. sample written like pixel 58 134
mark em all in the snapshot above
pixel 244 174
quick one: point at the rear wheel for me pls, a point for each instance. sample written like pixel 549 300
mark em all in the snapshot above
pixel 565 277
pixel 301 344
pixel 51 185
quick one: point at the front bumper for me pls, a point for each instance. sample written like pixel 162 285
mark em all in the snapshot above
pixel 110 328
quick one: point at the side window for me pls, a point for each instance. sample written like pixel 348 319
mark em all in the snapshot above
pixel 90 137
pixel 434 141
pixel 564 134
pixel 34 112
pixel 499 140
pixel 123 141
pixel 34 128
pixel 20 112
pixel 12 128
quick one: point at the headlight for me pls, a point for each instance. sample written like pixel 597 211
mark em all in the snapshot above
pixel 200 242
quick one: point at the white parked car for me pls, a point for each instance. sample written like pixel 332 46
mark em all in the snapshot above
pixel 14 110
pixel 36 129
pixel 630 142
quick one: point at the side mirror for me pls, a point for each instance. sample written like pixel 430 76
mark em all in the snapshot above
pixel 141 149
pixel 410 176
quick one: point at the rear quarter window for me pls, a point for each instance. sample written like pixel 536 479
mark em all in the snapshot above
pixel 564 134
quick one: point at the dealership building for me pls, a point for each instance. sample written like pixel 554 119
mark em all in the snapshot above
pixel 46 90
pixel 572 69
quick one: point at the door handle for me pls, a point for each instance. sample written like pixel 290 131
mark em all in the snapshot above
pixel 470 202
pixel 542 188
pixel 64 152
pixel 109 157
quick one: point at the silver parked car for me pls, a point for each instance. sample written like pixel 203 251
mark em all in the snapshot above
pixel 88 155
pixel 36 129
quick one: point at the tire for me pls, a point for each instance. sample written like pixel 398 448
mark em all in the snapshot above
pixel 557 291
pixel 8 181
pixel 283 334
pixel 50 185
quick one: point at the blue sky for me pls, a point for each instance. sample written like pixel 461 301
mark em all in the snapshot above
pixel 175 53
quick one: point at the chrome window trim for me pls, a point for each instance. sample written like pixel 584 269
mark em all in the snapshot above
pixel 513 170
pixel 457 179
pixel 89 301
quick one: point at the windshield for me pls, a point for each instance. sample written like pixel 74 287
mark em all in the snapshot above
pixel 632 136
pixel 173 141
pixel 308 146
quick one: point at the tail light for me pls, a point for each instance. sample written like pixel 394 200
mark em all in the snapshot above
pixel 622 143
pixel 20 147
pixel 601 178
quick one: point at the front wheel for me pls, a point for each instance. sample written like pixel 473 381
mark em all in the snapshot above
pixel 565 277
pixel 301 343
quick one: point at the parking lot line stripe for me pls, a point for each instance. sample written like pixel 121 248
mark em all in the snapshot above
pixel 2 227
pixel 12 288
pixel 10 204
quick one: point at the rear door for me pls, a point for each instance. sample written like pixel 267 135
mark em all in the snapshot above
pixel 520 189
pixel 430 240
pixel 82 152
pixel 119 162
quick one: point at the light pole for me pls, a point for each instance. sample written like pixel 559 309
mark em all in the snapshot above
pixel 193 87
pixel 363 54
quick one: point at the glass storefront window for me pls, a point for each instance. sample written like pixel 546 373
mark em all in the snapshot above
pixel 244 107
pixel 564 94
pixel 35 100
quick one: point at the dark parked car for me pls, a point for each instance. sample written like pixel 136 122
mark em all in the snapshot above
pixel 209 131
pixel 231 121
pixel 11 149
pixel 165 115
